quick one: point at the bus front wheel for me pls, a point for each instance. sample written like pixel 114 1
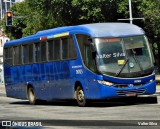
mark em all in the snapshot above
pixel 31 96
pixel 80 97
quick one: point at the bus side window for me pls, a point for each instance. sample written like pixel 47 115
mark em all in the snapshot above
pixel 30 53
pixel 57 49
pixel 68 48
pixel 65 48
pixel 20 55
pixel 81 39
pixel 37 53
pixel 86 51
pixel 50 50
pixel 89 58
pixel 17 55
pixel 25 56
pixel 54 49
pixel 43 51
pixel 8 55
pixel 14 55
pixel 72 50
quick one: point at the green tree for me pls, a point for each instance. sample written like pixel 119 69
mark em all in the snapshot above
pixel 151 9
pixel 35 15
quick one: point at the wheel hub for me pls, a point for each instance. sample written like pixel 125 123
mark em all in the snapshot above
pixel 80 95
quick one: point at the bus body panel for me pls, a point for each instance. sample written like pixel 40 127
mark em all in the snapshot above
pixel 138 80
pixel 50 80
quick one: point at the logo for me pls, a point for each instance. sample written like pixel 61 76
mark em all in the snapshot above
pixel 79 71
pixel 137 81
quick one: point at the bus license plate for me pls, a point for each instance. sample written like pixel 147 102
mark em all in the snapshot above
pixel 131 94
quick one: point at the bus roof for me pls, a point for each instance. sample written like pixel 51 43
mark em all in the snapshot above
pixel 109 30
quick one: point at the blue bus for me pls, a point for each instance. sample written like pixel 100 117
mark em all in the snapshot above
pixel 84 62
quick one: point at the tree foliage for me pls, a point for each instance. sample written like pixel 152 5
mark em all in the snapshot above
pixel 31 16
pixel 34 15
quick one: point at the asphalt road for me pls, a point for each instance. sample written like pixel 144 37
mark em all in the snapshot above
pixel 111 114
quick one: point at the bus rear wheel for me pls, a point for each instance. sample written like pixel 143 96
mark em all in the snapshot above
pixel 31 96
pixel 80 97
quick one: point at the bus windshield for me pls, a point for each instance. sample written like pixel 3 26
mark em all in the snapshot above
pixel 124 57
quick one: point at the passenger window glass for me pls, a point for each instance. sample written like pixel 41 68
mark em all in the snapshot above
pixel 30 53
pixel 72 49
pixel 56 51
pixel 50 50
pixel 25 54
pixel 86 51
pixel 37 53
pixel 68 48
pixel 61 48
pixel 89 59
pixel 43 51
pixel 14 55
pixel 8 55
pixel 81 39
pixel 65 49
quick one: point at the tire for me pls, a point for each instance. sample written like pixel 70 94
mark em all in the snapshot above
pixel 31 96
pixel 80 97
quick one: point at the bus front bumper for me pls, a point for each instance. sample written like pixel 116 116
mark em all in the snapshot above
pixel 112 91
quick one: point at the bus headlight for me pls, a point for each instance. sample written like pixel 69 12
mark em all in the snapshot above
pixel 151 80
pixel 105 83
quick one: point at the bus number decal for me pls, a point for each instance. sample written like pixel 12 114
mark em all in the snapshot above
pixel 79 71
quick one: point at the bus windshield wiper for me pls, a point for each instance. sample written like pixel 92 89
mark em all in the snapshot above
pixel 136 60
pixel 117 74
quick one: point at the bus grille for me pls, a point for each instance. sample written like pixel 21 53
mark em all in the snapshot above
pixel 126 86
pixel 136 91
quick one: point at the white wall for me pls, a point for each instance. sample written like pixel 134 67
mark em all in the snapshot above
pixel 3 39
